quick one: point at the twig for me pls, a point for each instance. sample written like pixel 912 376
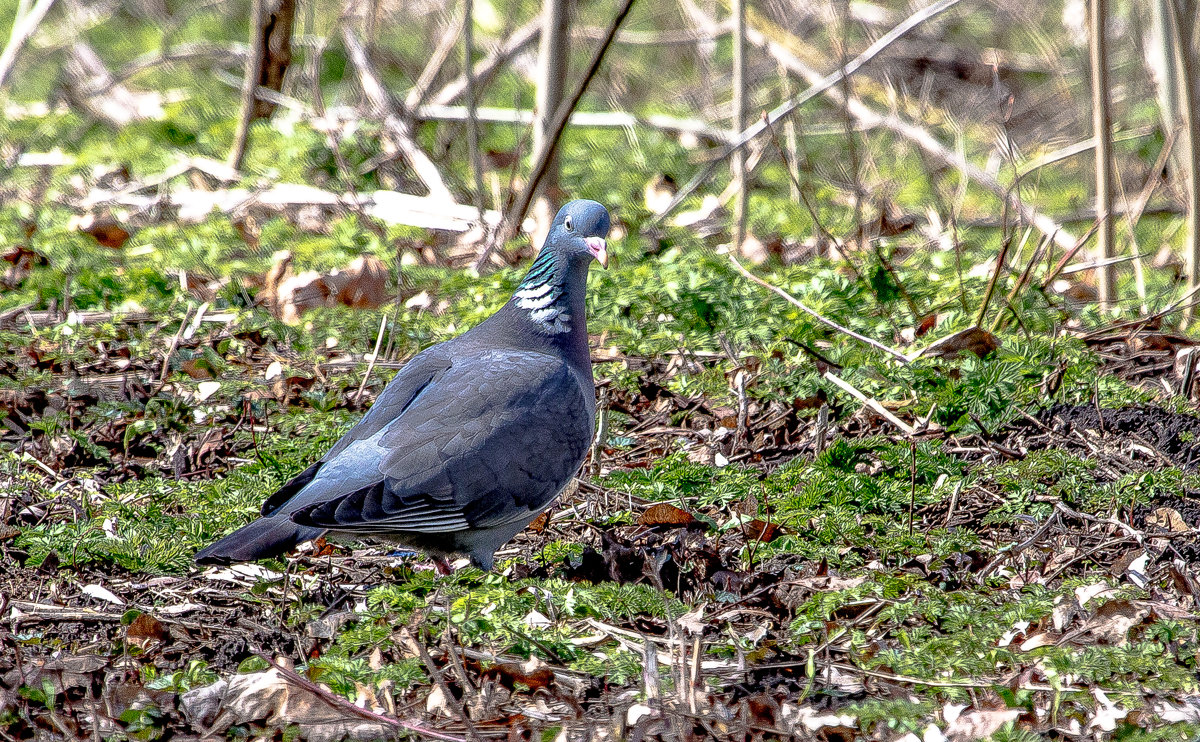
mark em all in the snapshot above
pixel 398 131
pixel 341 703
pixel 513 45
pixel 23 28
pixel 1106 283
pixel 787 107
pixel 920 137
pixel 738 160
pixel 374 357
pixel 226 53
pixel 1018 548
pixel 436 63
pixel 1067 256
pixel 166 364
pixel 543 157
pixel 597 119
pixel 870 402
pixel 472 119
pixel 817 316
pixel 991 287
pixel 438 678
pixel 250 78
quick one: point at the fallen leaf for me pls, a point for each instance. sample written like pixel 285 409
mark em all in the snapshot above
pixel 104 230
pixel 1168 519
pixel 979 724
pixel 361 285
pixel 761 530
pixel 270 699
pixel 144 631
pixel 1112 621
pixel 1107 713
pixel 973 339
pixel 666 514
pixel 693 621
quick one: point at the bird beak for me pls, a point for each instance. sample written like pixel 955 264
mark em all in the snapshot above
pixel 599 249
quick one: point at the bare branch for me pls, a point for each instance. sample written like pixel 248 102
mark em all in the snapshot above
pixel 513 45
pixel 541 158
pixel 824 85
pixel 250 76
pixel 398 130
pixel 23 29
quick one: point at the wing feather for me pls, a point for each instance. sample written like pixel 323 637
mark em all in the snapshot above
pixel 495 438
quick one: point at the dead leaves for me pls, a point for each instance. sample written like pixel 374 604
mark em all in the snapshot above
pixel 269 698
pixel 362 285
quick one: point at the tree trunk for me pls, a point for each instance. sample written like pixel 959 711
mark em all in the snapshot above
pixel 551 78
pixel 1102 130
pixel 738 161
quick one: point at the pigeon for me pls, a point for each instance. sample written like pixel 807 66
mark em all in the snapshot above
pixel 475 436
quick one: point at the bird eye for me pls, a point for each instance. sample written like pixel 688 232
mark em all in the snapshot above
pixel 567 224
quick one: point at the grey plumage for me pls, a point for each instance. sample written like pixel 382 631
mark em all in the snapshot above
pixel 472 439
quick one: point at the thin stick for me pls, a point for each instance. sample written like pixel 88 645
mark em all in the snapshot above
pixel 420 90
pixel 468 34
pixel 513 45
pixel 341 703
pixel 816 315
pixel 1182 19
pixel 22 30
pixel 1067 256
pixel 912 496
pixel 374 357
pixel 399 131
pixel 738 161
pixel 787 107
pixel 877 408
pixel 920 137
pixel 542 158
pixel 991 287
pixel 250 75
pixel 1134 214
pixel 1102 128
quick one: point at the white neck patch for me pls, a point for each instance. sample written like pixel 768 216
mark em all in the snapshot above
pixel 541 301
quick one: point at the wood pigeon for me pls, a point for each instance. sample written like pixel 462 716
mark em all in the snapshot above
pixel 475 436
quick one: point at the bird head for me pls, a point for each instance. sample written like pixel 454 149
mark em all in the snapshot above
pixel 579 230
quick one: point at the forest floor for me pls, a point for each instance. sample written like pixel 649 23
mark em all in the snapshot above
pixel 716 573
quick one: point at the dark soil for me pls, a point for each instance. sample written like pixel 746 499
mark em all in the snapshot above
pixel 1175 436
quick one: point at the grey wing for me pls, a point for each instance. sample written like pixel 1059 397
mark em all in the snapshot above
pixel 501 434
pixel 414 378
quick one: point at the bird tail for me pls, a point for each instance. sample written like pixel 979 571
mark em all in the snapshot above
pixel 262 539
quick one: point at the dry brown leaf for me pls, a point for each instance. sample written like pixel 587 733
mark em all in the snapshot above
pixel 298 294
pixel 270 699
pixel 973 339
pixel 761 530
pixel 362 284
pixel 1168 519
pixel 104 230
pixel 144 631
pixel 666 514
pixel 1112 621
pixel 829 582
pixel 21 261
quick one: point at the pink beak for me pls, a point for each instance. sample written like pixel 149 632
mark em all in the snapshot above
pixel 598 248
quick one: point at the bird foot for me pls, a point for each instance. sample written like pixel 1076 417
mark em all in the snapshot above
pixel 443 566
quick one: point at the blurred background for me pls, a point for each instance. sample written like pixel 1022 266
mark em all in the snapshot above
pixel 130 121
